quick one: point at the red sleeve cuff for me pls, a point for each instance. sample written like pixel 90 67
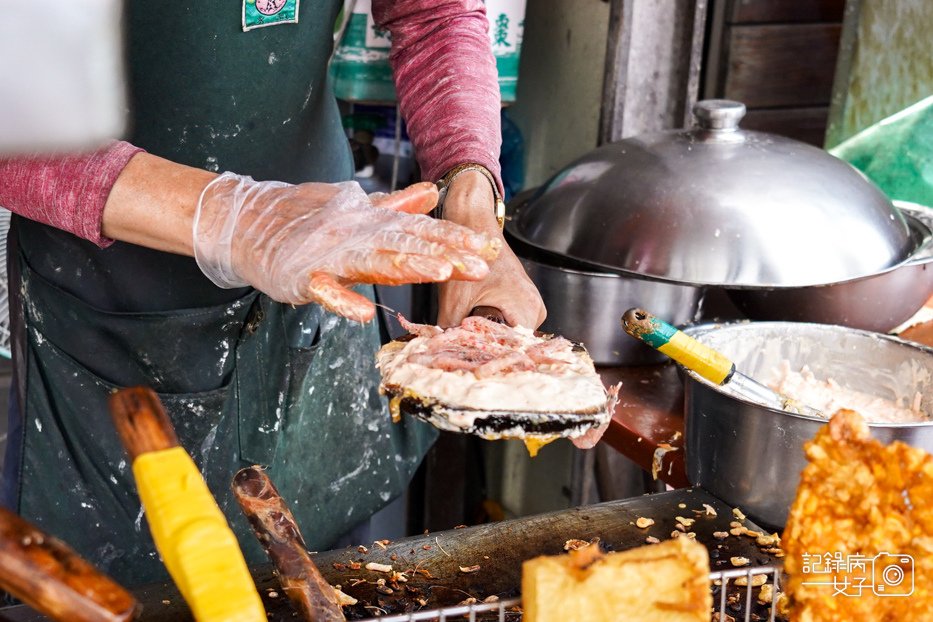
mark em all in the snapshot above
pixel 68 192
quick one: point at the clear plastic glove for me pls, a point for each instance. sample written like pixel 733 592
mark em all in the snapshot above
pixel 311 242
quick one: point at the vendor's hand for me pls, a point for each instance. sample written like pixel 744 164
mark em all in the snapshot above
pixel 470 203
pixel 310 242
pixel 590 438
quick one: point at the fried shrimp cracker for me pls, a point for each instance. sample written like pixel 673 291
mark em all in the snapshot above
pixel 862 525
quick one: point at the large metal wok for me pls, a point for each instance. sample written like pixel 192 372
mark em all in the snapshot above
pixel 877 302
pixel 583 300
pixel 789 231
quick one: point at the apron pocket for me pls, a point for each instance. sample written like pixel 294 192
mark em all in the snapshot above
pixel 82 410
pixel 76 479
pixel 177 351
pixel 265 362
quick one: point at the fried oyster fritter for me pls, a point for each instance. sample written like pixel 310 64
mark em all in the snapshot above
pixel 857 500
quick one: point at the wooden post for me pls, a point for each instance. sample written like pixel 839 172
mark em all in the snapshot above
pixel 652 74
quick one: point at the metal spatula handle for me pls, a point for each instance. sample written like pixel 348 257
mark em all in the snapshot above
pixel 684 349
pixel 705 361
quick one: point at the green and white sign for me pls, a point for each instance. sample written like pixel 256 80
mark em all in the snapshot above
pixel 360 68
pixel 261 13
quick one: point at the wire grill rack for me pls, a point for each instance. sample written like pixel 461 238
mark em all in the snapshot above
pixel 503 610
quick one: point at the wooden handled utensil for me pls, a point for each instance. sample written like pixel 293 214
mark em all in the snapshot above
pixel 275 527
pixel 46 574
pixel 197 546
pixel 706 361
pixel 490 313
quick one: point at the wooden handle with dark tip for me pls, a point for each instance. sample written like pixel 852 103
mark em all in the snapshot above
pixel 141 421
pixel 46 574
pixel 490 313
pixel 198 548
pixel 275 527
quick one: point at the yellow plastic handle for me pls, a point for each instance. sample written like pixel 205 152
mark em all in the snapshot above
pixel 191 533
pixel 700 358
pixel 684 349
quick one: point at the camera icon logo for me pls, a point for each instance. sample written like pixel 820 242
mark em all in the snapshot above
pixel 893 575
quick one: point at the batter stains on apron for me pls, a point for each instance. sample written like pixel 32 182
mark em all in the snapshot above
pixel 244 379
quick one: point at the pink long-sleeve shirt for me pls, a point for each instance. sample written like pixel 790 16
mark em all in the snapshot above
pixel 446 82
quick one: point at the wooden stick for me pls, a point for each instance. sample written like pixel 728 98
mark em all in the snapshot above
pixel 46 574
pixel 141 421
pixel 277 531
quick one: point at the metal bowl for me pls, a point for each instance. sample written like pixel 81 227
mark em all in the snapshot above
pixel 750 455
pixel 717 205
pixel 584 306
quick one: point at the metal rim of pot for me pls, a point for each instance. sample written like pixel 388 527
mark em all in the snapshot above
pixel 919 218
pixel 701 329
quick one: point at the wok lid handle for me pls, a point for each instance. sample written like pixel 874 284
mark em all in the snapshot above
pixel 719 114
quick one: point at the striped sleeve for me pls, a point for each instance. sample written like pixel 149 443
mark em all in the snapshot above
pixel 446 80
pixel 68 192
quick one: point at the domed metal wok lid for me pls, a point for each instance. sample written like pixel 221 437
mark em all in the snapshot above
pixel 716 205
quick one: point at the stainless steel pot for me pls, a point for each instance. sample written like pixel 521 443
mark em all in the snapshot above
pixel 750 455
pixel 789 231
pixel 584 306
pixel 878 302
pixel 717 205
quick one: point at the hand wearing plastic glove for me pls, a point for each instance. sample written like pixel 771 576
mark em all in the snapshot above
pixel 507 287
pixel 311 242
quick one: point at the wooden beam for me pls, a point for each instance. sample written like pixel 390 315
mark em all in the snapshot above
pixel 805 124
pixel 618 46
pixel 782 65
pixel 653 59
pixel 793 11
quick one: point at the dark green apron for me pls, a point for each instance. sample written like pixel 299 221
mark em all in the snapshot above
pixel 244 379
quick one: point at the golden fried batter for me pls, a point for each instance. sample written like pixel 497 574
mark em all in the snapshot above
pixel 863 507
pixel 667 582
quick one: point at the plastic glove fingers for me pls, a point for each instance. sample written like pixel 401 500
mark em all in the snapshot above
pixel 419 198
pixel 393 268
pixel 454 235
pixel 325 290
pixel 401 242
pixel 467 266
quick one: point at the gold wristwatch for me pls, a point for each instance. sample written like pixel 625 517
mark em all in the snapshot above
pixel 443 184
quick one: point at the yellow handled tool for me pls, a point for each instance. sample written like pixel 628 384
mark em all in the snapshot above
pixel 706 361
pixel 191 533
